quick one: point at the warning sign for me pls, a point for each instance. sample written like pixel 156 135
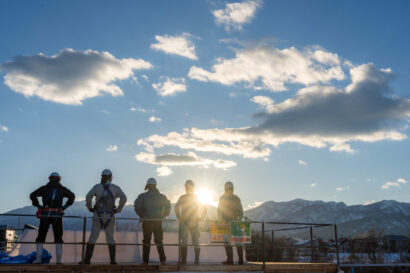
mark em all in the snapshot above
pixel 219 233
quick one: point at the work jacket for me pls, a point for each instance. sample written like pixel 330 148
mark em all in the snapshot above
pixel 189 210
pixel 152 205
pixel 229 208
pixel 52 195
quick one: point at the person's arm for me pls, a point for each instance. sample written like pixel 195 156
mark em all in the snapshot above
pixel 70 198
pixel 167 207
pixel 34 195
pixel 89 199
pixel 138 206
pixel 177 207
pixel 239 208
pixel 123 200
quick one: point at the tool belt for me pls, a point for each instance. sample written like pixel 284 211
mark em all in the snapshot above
pixel 45 212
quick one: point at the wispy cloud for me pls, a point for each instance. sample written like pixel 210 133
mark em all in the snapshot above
pixel 366 203
pixel 164 171
pixel 313 185
pixel 153 119
pixel 170 86
pixel 139 109
pixel 303 163
pixel 71 76
pixel 181 45
pixel 396 184
pixel 235 15
pixel 4 128
pixel 189 159
pixel 343 188
pixel 112 148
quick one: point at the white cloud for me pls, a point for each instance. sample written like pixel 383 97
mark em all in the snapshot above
pixel 4 128
pixel 318 116
pixel 313 185
pixel 340 189
pixel 164 171
pixel 181 45
pixel 267 67
pixel 395 184
pixel 71 76
pixel 139 109
pixel 366 203
pixel 370 179
pixel 170 86
pixel 255 204
pixel 303 163
pixel 112 148
pixel 235 15
pixel 189 159
pixel 153 119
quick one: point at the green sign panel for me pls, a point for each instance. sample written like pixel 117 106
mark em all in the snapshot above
pixel 240 232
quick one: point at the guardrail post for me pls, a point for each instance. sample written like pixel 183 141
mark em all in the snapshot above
pixel 273 244
pixel 311 244
pixel 337 246
pixel 83 242
pixel 263 246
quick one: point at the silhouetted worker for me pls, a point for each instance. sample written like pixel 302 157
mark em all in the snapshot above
pixel 104 210
pixel 154 206
pixel 230 209
pixel 51 212
pixel 189 212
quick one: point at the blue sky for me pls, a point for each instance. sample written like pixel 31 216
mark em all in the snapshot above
pixel 287 99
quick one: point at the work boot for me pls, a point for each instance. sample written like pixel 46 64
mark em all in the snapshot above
pixel 197 252
pixel 88 253
pixel 184 252
pixel 239 249
pixel 59 253
pixel 39 253
pixel 111 249
pixel 229 255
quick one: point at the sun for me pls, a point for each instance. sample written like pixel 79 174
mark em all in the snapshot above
pixel 206 196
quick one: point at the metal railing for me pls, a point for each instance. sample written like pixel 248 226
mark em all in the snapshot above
pixel 262 229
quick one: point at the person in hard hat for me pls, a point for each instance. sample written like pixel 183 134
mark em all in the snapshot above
pixel 104 210
pixel 189 212
pixel 152 206
pixel 51 212
pixel 230 209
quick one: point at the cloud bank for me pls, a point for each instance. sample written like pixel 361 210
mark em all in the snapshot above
pixel 396 184
pixel 181 45
pixel 270 68
pixel 71 76
pixel 235 15
pixel 318 116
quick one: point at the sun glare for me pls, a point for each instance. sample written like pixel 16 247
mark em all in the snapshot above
pixel 206 196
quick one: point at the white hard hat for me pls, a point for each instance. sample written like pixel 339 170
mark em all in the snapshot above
pixel 151 181
pixel 106 172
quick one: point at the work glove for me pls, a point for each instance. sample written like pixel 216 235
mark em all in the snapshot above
pixel 64 207
pixel 115 210
pixel 92 210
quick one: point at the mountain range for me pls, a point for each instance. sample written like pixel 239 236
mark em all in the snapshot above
pixel 387 216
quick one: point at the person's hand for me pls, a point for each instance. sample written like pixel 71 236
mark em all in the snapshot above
pixel 115 210
pixel 92 210
pixel 64 207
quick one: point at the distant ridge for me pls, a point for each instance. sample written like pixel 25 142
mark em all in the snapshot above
pixel 389 216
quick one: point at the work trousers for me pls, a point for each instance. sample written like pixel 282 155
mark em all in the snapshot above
pixel 106 223
pixel 184 230
pixel 149 228
pixel 45 223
